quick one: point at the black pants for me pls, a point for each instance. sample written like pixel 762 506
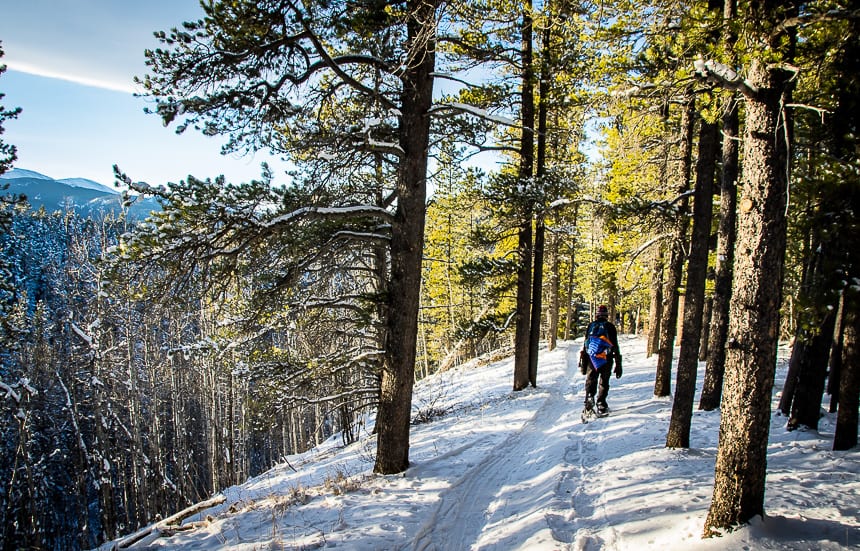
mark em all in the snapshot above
pixel 600 376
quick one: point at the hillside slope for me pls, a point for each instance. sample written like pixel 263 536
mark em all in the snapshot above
pixel 498 470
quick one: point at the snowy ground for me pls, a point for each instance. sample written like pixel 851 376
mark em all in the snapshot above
pixel 499 470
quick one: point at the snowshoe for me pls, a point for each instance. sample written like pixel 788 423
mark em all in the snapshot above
pixel 588 411
pixel 587 415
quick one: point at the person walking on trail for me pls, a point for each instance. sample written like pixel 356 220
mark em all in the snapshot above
pixel 599 351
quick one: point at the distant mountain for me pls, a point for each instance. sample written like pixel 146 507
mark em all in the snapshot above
pixel 88 184
pixel 84 196
pixel 21 173
pixel 85 183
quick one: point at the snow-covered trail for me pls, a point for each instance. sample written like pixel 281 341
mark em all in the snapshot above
pixel 637 418
pixel 546 486
pixel 511 498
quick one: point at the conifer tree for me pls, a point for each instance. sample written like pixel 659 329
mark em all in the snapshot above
pixel 682 405
pixel 8 152
pixel 754 312
pixel 8 155
pixel 364 77
pixel 713 383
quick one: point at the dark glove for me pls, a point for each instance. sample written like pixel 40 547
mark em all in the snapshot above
pixel 618 366
pixel 583 362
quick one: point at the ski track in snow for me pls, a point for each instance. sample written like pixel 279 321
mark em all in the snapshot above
pixel 544 463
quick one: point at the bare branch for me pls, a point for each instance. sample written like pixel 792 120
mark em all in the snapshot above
pixel 333 64
pixel 812 18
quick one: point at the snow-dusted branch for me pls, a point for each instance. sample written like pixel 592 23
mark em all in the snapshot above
pixel 70 407
pixel 452 78
pixel 390 148
pixel 307 400
pixel 458 107
pixel 343 302
pixel 565 202
pixel 83 335
pixel 634 90
pixel 723 75
pixel 368 237
pixel 820 110
pixel 642 248
pixel 10 392
pixel 333 212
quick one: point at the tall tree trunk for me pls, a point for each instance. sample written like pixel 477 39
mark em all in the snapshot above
pixel 669 321
pixel 712 387
pixel 706 329
pixel 812 372
pixel 803 335
pixel 697 272
pixel 523 320
pixel 655 313
pixel 741 463
pixel 522 339
pixel 540 223
pixel 554 283
pixel 849 388
pixel 834 380
pixel 570 314
pixel 407 244
pixel 537 300
pixel 846 119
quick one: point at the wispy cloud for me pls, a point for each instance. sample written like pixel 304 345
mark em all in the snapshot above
pixel 105 84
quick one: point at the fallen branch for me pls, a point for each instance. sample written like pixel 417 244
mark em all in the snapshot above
pixel 171 524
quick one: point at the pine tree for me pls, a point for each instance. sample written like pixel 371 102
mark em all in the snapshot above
pixel 342 61
pixel 754 312
pixel 8 155
pixel 688 359
pixel 713 383
pixel 8 152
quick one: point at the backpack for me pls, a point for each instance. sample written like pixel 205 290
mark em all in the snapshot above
pixel 597 344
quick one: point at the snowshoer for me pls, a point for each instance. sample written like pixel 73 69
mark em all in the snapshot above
pixel 599 351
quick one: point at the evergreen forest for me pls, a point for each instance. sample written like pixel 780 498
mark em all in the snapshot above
pixel 471 179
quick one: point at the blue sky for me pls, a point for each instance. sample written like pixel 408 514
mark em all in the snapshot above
pixel 70 67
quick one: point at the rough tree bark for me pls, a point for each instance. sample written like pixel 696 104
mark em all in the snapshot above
pixel 697 271
pixel 712 387
pixel 675 263
pixel 522 339
pixel 655 312
pixel 540 222
pixel 407 244
pixel 741 463
pixel 849 388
